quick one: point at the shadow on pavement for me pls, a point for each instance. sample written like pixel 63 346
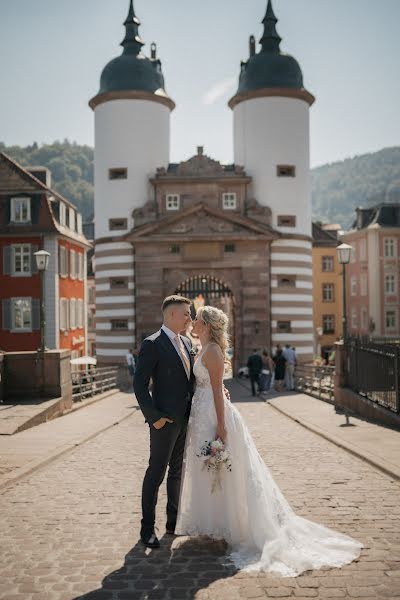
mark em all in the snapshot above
pixel 178 569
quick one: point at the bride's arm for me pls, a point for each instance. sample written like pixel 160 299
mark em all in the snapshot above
pixel 213 360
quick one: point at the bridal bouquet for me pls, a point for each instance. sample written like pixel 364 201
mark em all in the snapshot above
pixel 215 458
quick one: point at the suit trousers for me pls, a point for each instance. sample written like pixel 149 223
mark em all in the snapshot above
pixel 167 447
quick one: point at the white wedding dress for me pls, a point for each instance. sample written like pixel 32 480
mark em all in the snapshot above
pixel 249 511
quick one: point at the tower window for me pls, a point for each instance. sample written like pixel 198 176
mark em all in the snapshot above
pixel 286 171
pixel 117 173
pixel 284 326
pixel 229 201
pixel 118 283
pixel 173 202
pixel 117 224
pixel 119 324
pixel 286 221
pixel 286 280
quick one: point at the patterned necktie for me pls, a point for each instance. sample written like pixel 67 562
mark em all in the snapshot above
pixel 183 355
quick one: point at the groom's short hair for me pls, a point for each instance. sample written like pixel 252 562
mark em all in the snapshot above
pixel 175 299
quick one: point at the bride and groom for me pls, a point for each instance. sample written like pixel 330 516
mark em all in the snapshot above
pixel 188 408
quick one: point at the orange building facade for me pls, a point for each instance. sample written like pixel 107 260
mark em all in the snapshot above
pixel 327 291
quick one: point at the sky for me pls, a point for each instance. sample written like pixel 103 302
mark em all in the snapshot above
pixel 53 51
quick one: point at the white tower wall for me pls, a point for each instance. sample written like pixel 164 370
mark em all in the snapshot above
pixel 272 131
pixel 132 134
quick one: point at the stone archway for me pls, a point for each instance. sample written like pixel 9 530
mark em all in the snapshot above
pixel 207 290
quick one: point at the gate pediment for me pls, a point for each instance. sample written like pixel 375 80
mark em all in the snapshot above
pixel 202 221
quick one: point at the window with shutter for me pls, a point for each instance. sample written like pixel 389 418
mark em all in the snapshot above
pixel 21 318
pixel 21 260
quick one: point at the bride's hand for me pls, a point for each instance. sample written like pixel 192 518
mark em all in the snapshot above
pixel 221 433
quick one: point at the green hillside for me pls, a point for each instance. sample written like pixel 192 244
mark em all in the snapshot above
pixel 337 188
pixel 71 169
pixel 340 187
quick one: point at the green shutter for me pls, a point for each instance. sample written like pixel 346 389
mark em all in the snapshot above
pixel 6 314
pixel 35 313
pixel 33 259
pixel 7 255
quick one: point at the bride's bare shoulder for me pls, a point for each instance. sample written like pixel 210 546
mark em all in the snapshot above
pixel 213 352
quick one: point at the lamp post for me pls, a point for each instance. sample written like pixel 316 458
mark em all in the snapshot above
pixel 42 262
pixel 343 255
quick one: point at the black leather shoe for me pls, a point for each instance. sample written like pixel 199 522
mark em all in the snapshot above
pixel 150 540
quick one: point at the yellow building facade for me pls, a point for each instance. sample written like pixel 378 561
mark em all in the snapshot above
pixel 327 291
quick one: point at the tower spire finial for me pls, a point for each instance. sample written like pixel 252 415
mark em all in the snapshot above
pixel 132 42
pixel 270 40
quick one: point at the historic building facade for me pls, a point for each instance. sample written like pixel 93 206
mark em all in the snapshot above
pixel 372 277
pixel 328 290
pixel 34 217
pixel 237 236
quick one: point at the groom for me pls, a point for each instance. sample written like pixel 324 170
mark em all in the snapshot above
pixel 165 358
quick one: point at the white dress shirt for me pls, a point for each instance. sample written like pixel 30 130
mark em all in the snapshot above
pixel 172 335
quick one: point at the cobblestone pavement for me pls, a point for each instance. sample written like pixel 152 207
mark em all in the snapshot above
pixel 70 530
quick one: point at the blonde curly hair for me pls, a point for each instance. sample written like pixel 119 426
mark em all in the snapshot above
pixel 219 323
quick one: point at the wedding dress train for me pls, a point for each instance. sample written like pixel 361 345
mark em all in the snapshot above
pixel 248 510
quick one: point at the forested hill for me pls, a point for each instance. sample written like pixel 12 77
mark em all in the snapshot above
pixel 340 187
pixel 71 169
pixel 337 188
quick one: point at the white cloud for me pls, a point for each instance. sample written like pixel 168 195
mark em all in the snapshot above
pixel 218 90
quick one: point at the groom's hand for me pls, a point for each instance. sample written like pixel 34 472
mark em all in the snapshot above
pixel 161 422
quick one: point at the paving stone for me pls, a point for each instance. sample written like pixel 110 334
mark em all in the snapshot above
pixel 71 530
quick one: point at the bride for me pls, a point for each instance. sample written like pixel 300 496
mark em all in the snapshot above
pixel 247 509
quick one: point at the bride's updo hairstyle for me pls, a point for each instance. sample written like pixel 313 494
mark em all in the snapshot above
pixel 218 322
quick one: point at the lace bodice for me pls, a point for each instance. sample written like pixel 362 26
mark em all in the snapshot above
pixel 201 372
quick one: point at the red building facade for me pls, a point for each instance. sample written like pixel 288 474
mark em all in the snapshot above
pixel 34 217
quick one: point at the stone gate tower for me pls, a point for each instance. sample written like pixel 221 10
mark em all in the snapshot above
pixel 271 140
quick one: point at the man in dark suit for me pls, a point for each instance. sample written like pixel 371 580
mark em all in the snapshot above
pixel 255 365
pixel 165 358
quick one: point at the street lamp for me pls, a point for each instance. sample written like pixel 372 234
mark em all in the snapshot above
pixel 42 262
pixel 343 254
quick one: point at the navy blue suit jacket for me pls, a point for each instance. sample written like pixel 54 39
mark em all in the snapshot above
pixel 172 391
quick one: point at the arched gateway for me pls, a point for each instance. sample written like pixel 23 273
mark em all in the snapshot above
pixel 207 290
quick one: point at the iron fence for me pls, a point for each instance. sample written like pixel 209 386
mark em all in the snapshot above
pixel 373 371
pixel 91 382
pixel 315 381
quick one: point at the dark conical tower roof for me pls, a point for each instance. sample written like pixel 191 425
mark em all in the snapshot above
pixel 270 69
pixel 132 71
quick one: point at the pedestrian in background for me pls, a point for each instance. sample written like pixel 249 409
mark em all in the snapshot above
pixel 291 361
pixel 130 361
pixel 255 365
pixel 280 364
pixel 266 372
